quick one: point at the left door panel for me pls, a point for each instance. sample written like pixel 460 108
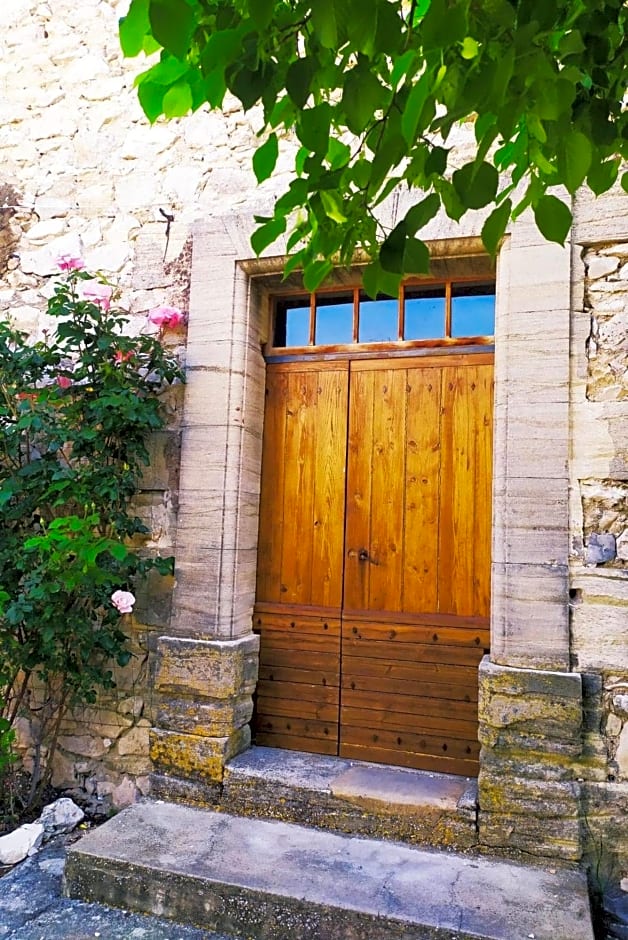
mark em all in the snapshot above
pixel 300 555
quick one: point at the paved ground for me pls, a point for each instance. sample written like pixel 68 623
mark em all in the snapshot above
pixel 32 908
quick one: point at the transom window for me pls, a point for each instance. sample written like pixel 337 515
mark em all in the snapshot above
pixel 424 314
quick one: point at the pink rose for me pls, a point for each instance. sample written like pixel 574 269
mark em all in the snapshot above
pixel 63 381
pixel 166 317
pixel 123 601
pixel 70 263
pixel 98 293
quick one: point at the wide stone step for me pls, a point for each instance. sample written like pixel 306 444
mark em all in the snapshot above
pixel 271 880
pixel 414 806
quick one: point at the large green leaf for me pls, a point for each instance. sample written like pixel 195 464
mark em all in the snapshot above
pixel 261 12
pixel 299 80
pixel 313 128
pixel 420 214
pixel 495 226
pixel 362 97
pixel 133 28
pixel 172 23
pixel 476 186
pixel 178 100
pixel 553 218
pixel 265 158
pixel 575 159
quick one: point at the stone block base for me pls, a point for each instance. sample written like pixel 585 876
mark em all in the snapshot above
pixel 532 735
pixel 202 706
pixel 192 757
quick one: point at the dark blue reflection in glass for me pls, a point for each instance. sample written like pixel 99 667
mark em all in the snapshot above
pixel 424 313
pixel 292 322
pixel 378 319
pixel 473 310
pixel 334 319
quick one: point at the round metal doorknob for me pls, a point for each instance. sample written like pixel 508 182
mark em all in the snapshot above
pixel 363 555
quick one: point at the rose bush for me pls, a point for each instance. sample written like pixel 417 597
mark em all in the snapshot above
pixel 76 411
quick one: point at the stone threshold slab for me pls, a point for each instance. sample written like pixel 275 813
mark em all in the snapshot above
pixel 372 800
pixel 378 785
pixel 272 880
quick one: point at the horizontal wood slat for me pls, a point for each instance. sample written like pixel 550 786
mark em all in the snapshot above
pixel 298 696
pixel 442 765
pixel 399 633
pixel 454 727
pixel 434 745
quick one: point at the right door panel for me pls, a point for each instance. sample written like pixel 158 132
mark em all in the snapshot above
pixel 417 560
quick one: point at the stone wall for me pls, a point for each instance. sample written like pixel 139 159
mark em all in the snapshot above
pixel 599 521
pixel 83 172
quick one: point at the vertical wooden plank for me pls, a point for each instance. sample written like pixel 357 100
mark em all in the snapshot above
pixel 483 460
pixel 271 523
pixel 329 487
pixel 359 494
pixel 456 535
pixel 298 504
pixel 422 503
pixel 388 485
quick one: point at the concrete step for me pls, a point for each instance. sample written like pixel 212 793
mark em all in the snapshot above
pixel 411 806
pixel 271 880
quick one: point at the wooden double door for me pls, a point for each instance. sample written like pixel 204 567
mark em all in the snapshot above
pixel 374 558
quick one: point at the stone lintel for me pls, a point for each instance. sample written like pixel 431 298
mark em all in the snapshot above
pixel 206 669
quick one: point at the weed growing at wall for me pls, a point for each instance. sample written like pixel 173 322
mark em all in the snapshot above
pixel 76 411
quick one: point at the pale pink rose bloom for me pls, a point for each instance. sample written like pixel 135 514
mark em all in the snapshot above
pixel 63 381
pixel 70 263
pixel 98 293
pixel 123 601
pixel 166 317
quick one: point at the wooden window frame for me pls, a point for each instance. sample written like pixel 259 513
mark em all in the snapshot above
pixel 384 347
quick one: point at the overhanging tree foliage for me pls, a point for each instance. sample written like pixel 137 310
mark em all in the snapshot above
pixel 373 88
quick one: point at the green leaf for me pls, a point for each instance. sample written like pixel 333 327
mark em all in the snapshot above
pixel 172 23
pixel 133 28
pixel 392 250
pixel 575 159
pixel 414 108
pixel 261 12
pixel 436 161
pixel 299 80
pixel 470 48
pixel 178 100
pixel 420 214
pixel 332 206
pixel 377 281
pixel 315 273
pixel 265 158
pixel 165 72
pixel 476 186
pixel 313 128
pixel 324 22
pixel 151 99
pixel 362 97
pixel 444 24
pixel 553 218
pixel 266 234
pixel 624 182
pixel 495 226
pixel 416 257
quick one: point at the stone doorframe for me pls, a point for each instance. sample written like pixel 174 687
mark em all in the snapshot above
pixel 206 667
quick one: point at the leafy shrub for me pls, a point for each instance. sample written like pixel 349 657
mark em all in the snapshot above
pixel 76 411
